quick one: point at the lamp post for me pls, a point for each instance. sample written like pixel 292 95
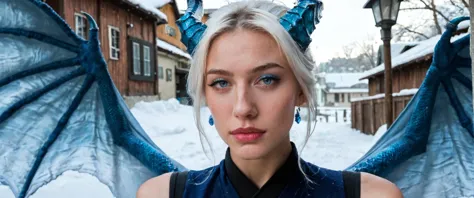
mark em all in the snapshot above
pixel 385 15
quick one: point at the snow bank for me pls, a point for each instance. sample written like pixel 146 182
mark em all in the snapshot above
pixel 379 133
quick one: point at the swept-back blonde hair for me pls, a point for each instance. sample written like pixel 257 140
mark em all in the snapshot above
pixel 260 16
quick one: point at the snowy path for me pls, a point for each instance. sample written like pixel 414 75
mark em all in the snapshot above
pixel 171 126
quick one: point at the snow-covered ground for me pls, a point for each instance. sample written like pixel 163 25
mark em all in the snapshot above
pixel 171 126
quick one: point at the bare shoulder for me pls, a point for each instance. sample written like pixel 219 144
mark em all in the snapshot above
pixel 376 187
pixel 157 187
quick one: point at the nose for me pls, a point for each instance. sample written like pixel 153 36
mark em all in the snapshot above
pixel 244 106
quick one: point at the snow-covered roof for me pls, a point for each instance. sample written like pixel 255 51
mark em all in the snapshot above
pixel 349 90
pixel 404 92
pixel 343 80
pixel 151 6
pixel 423 49
pixel 397 48
pixel 171 48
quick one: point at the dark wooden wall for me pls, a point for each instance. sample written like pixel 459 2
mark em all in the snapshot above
pixel 368 115
pixel 404 77
pixel 115 14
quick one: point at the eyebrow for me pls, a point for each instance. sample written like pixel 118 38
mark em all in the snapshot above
pixel 254 70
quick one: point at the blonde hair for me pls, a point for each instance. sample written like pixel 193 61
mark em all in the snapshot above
pixel 257 16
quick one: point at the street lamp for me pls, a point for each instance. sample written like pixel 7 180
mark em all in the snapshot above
pixel 385 15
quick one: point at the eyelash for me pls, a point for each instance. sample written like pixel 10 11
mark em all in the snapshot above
pixel 275 79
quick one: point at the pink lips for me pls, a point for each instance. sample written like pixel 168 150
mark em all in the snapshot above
pixel 247 134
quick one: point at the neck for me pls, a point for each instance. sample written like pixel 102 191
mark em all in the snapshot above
pixel 259 171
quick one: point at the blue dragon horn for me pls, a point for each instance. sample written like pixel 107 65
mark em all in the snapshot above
pixel 301 21
pixel 191 26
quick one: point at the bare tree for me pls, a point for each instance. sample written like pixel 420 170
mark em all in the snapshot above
pixel 439 12
pixel 367 52
pixel 348 50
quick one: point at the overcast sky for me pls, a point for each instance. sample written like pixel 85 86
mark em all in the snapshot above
pixel 343 22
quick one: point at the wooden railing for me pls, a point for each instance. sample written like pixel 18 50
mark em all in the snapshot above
pixel 368 115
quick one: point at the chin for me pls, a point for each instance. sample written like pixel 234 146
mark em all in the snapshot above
pixel 250 151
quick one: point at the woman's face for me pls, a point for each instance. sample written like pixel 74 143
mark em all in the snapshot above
pixel 251 92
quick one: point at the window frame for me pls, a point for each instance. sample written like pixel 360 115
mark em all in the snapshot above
pixel 134 75
pixel 170 79
pixel 84 25
pixel 161 73
pixel 170 31
pixel 146 71
pixel 111 39
pixel 136 59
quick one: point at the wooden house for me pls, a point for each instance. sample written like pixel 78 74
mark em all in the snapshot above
pixel 127 34
pixel 174 61
pixel 410 62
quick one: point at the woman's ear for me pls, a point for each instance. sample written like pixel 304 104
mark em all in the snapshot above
pixel 301 99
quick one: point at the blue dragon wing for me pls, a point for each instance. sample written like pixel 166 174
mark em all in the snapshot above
pixel 429 149
pixel 60 111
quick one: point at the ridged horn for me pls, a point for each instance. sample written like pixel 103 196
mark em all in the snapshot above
pixel 191 26
pixel 301 21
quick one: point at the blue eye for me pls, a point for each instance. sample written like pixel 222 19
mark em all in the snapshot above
pixel 268 79
pixel 220 82
pixel 223 83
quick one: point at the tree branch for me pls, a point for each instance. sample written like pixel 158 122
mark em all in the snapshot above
pixel 435 17
pixel 414 32
pixel 455 4
pixel 433 8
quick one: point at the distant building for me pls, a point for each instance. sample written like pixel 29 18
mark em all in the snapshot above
pixel 334 92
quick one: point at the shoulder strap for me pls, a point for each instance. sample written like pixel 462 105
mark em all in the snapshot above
pixel 351 184
pixel 177 184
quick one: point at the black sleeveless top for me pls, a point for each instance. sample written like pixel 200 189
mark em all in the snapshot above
pixel 244 188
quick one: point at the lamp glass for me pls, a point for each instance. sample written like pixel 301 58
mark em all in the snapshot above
pixel 377 12
pixel 395 9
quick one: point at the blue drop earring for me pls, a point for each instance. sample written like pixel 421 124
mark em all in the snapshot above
pixel 297 116
pixel 211 120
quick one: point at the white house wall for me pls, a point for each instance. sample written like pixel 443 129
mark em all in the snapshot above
pixel 167 89
pixel 331 99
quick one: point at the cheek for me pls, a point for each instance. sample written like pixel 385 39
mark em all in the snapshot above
pixel 279 109
pixel 220 107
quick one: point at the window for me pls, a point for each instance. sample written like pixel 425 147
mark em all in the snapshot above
pixel 160 72
pixel 168 75
pixel 342 97
pixel 170 30
pixel 141 60
pixel 146 61
pixel 348 97
pixel 114 43
pixel 336 97
pixel 81 25
pixel 136 59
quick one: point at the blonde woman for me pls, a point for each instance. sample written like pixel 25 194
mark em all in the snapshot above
pixel 251 69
